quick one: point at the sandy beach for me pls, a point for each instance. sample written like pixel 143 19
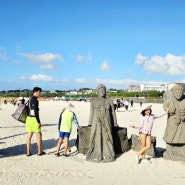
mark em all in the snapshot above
pixel 17 168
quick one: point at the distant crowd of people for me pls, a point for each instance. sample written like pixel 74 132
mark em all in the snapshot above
pixel 13 101
pixel 118 103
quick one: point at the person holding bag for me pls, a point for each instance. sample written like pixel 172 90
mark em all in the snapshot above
pixel 33 124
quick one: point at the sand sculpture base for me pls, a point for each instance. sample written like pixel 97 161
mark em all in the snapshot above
pixel 174 152
pixel 119 134
pixel 136 145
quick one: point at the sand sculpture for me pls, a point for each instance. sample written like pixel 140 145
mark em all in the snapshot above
pixel 174 135
pixel 102 119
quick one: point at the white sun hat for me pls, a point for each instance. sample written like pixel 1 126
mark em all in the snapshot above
pixel 68 106
pixel 146 108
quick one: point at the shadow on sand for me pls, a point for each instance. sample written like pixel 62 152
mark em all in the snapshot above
pixel 21 149
pixel 12 136
pixel 159 152
pixel 49 124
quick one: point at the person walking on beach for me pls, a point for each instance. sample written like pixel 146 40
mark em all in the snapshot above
pixel 115 104
pixel 118 104
pixel 145 129
pixel 131 102
pixel 33 123
pixel 66 119
pixel 126 103
pixel 141 103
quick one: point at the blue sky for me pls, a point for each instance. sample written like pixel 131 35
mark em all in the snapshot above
pixel 70 44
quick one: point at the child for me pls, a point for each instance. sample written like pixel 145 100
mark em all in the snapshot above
pixel 145 129
pixel 67 117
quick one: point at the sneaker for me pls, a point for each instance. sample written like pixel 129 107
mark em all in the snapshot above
pixel 137 159
pixel 147 161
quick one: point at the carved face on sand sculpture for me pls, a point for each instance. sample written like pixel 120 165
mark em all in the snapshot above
pixel 178 92
pixel 101 90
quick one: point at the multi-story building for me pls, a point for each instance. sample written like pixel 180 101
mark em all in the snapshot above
pixel 153 88
pixel 133 88
pixel 144 87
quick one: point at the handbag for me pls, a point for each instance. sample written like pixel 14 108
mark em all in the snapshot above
pixel 21 112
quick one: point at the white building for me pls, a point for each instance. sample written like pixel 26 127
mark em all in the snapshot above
pixel 153 88
pixel 73 92
pixel 161 88
pixel 134 88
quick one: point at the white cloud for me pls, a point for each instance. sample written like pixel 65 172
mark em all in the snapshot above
pixel 127 82
pixel 83 59
pixel 181 81
pixel 23 78
pixel 41 77
pixel 80 58
pixel 170 64
pixel 117 83
pixel 48 67
pixel 140 59
pixel 65 81
pixel 92 83
pixel 38 77
pixel 89 56
pixel 81 80
pixel 105 66
pixel 3 55
pixel 43 58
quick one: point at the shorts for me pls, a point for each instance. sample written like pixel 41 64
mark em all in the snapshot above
pixel 64 134
pixel 32 124
pixel 145 133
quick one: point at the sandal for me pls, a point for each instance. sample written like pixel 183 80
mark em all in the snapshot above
pixel 41 153
pixel 57 154
pixel 65 155
pixel 28 155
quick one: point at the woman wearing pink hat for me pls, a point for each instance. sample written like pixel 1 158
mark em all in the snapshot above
pixel 145 129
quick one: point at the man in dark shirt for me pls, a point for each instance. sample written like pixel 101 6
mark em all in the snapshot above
pixel 33 124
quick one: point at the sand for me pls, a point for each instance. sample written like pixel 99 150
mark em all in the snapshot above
pixel 17 168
